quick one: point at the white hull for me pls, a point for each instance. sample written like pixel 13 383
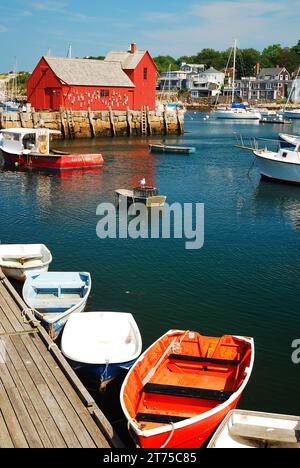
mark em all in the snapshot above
pixel 248 430
pixel 21 274
pixel 231 115
pixel 277 170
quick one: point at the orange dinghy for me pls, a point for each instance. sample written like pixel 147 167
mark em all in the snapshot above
pixel 183 386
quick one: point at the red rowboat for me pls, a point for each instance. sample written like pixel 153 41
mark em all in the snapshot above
pixel 183 386
pixel 31 148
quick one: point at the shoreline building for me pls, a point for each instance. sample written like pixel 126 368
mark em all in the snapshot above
pixel 125 79
pixel 208 83
pixel 271 84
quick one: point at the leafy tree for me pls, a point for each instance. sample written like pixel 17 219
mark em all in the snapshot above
pixel 270 56
pixel 163 63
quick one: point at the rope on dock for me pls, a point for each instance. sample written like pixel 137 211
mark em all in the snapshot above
pixel 19 333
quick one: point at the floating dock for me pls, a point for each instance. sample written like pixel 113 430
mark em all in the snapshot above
pixel 42 402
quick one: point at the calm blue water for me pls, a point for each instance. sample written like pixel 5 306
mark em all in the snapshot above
pixel 245 280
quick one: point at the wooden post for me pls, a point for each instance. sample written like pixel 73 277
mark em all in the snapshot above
pixel 179 123
pixel 165 115
pixel 22 119
pixel 35 119
pixel 2 120
pixel 149 123
pixel 62 122
pixel 112 122
pixel 129 121
pixel 91 122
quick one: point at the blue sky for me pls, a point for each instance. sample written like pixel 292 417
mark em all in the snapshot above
pixel 176 27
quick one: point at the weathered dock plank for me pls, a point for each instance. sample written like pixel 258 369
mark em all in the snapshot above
pixel 42 402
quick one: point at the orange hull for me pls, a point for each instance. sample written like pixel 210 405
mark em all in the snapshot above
pixel 182 388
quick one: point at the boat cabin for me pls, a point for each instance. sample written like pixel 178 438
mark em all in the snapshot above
pixel 24 141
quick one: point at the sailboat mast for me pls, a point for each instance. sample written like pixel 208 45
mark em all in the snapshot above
pixel 234 67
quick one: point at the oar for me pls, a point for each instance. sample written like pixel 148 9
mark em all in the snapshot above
pixel 154 369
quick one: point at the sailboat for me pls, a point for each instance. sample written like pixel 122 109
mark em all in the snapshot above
pixel 169 106
pixel 236 111
pixel 292 113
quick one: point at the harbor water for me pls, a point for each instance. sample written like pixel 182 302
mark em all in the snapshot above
pixel 244 281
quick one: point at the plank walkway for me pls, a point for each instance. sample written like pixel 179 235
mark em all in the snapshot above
pixel 42 402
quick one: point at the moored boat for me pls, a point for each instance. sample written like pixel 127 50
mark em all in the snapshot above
pixel 248 429
pixel 292 114
pixel 22 260
pixel 55 296
pixel 283 165
pixel 288 141
pixel 160 148
pixel 23 147
pixel 183 386
pixel 146 195
pixel 101 345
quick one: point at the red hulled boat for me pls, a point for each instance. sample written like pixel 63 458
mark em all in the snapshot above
pixel 183 386
pixel 31 148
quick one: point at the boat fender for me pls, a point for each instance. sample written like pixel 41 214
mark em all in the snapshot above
pixel 43 148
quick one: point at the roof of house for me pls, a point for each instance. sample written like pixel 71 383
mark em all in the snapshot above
pixel 211 70
pixel 83 72
pixel 271 71
pixel 128 60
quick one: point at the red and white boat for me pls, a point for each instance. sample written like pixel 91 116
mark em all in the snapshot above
pixel 183 387
pixel 22 147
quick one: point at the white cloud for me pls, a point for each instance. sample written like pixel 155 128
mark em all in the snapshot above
pixel 217 23
pixel 3 29
pixel 49 6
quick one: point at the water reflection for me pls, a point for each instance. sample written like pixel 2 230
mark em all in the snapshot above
pixel 283 198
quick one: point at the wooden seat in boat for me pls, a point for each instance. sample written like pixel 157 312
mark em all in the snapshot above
pixel 265 433
pixel 187 358
pixel 159 418
pixel 187 392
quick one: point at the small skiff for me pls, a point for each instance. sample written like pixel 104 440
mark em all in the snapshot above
pixel 20 261
pixel 147 195
pixel 247 429
pixel 183 386
pixel 172 149
pixel 54 297
pixel 100 345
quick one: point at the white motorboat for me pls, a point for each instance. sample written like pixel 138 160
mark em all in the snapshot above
pixel 292 114
pixel 21 261
pixel 291 140
pixel 247 429
pixel 283 165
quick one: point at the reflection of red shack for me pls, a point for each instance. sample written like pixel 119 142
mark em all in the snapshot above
pixel 123 80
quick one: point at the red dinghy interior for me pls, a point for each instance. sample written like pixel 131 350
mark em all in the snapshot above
pixel 185 375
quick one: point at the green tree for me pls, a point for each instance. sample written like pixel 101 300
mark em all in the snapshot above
pixel 270 56
pixel 163 63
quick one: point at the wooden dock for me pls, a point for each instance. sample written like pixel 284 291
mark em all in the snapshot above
pixel 42 402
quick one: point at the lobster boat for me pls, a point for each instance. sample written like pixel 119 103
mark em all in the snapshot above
pixel 183 386
pixel 54 297
pixel 101 345
pixel 30 148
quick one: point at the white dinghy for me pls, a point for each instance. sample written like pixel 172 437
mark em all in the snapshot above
pixel 21 261
pixel 100 345
pixel 247 429
pixel 55 296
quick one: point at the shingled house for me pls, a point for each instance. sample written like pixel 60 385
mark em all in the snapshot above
pixel 123 80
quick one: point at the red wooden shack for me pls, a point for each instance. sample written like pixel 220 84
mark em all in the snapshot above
pixel 123 80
